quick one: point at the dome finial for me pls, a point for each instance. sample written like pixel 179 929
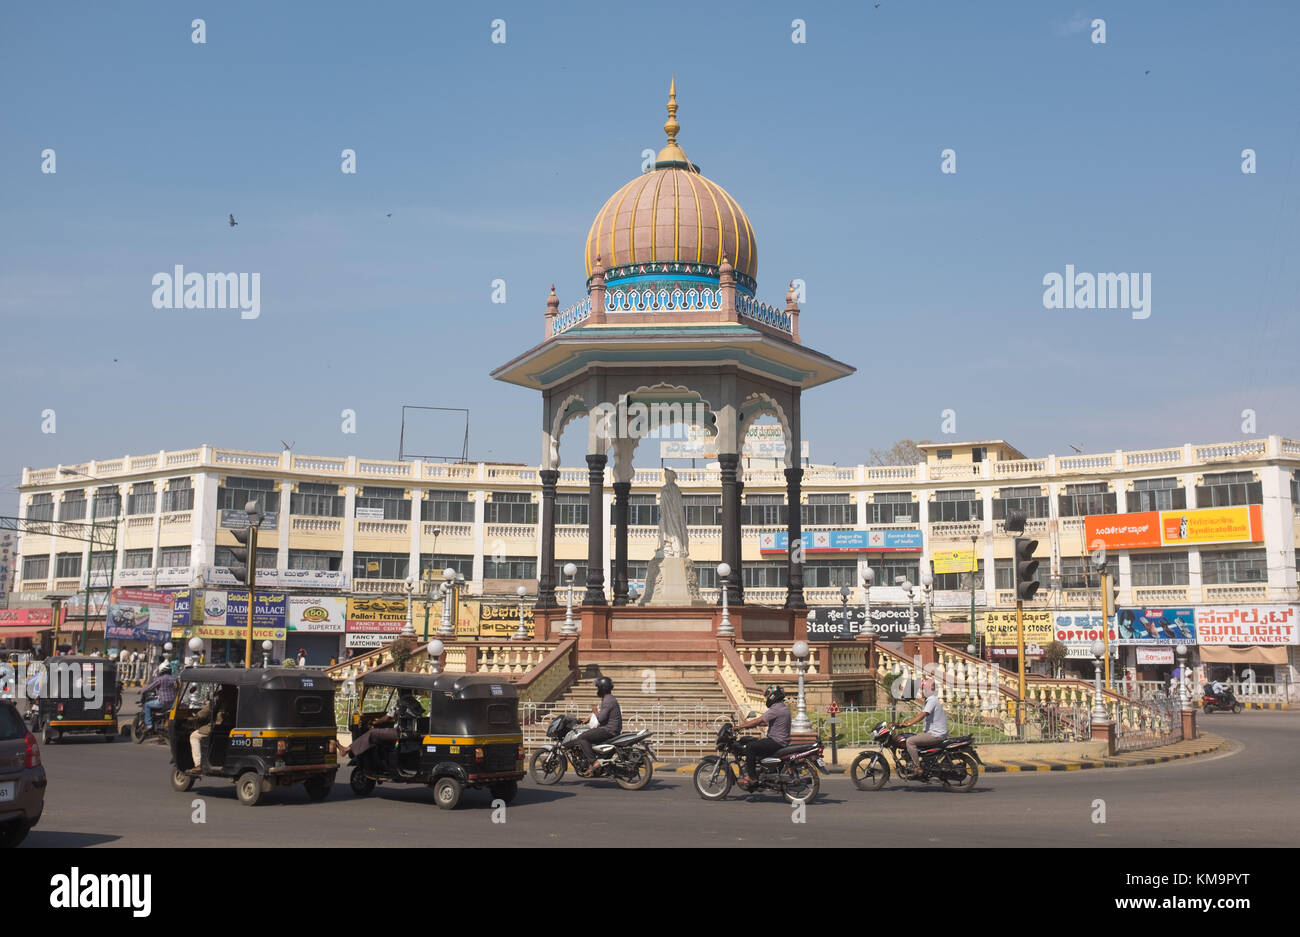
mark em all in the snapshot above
pixel 672 154
pixel 671 126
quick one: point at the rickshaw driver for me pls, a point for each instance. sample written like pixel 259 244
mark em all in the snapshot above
pixel 225 705
pixel 405 712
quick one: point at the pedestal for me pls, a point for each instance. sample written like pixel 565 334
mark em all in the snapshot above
pixel 670 580
pixel 1104 732
pixel 1189 724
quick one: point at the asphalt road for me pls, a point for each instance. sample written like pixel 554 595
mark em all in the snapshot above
pixel 117 794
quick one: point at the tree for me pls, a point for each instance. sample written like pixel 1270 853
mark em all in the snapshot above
pixel 903 452
pixel 1055 654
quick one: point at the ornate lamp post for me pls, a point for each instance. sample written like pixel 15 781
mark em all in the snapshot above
pixel 521 633
pixel 868 577
pixel 408 629
pixel 446 630
pixel 435 651
pixel 570 626
pixel 844 603
pixel 724 627
pixel 1183 701
pixel 800 722
pixel 927 583
pixel 1098 705
pixel 266 654
pixel 906 585
pixel 196 649
pixel 974 568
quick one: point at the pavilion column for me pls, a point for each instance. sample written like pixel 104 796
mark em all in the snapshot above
pixel 739 597
pixel 622 491
pixel 727 462
pixel 794 532
pixel 546 575
pixel 595 594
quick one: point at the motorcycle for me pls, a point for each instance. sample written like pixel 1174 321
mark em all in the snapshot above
pixel 160 720
pixel 792 771
pixel 627 758
pixel 1220 702
pixel 954 761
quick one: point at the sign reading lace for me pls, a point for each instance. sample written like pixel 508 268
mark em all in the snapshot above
pixel 1247 624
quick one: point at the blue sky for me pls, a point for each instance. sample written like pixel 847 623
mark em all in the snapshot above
pixel 493 159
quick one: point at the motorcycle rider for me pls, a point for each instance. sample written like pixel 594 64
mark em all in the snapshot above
pixel 777 717
pixel 609 716
pixel 165 684
pixel 936 724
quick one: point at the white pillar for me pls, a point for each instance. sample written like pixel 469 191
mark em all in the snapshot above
pixel 282 521
pixel 480 507
pixel 1278 515
pixel 203 521
pixel 349 527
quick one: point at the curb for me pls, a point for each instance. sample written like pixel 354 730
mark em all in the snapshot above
pixel 1211 743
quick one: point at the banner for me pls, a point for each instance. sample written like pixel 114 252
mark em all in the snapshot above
pixel 225 616
pixel 955 561
pixel 376 616
pixel 139 615
pixel 1081 628
pixel 1147 529
pixel 1155 626
pixel 1247 624
pixel 888 622
pixel 27 617
pixel 501 619
pixel 845 541
pixel 765 441
pixel 1000 628
pixel 281 578
pixel 366 642
pixel 1155 655
pixel 318 614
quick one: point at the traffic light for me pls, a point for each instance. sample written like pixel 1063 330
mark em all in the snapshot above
pixel 1026 568
pixel 246 553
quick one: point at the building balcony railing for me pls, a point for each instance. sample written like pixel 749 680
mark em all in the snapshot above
pixel 1235 593
pixel 448 530
pixel 177 519
pixel 387 586
pixel 1033 525
pixel 941 471
pixel 1160 595
pixel 949 530
pixel 319 525
pixel 384 528
pixel 510 532
pixel 1013 467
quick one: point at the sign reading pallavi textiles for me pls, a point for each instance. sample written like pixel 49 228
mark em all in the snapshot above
pixel 376 615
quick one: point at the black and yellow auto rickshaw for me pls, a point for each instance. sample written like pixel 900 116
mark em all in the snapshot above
pixel 269 727
pixel 76 696
pixel 450 731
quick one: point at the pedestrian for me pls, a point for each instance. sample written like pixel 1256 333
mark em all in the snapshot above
pixel 302 657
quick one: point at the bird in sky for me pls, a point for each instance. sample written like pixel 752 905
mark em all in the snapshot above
pixel 1148 71
pixel 233 222
pixel 287 445
pixel 390 214
pixel 1074 447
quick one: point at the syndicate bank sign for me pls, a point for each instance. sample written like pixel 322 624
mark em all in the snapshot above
pixel 1146 529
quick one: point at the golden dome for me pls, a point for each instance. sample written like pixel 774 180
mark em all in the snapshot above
pixel 672 213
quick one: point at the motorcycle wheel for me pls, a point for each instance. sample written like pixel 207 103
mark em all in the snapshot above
pixel 805 786
pixel 645 770
pixel 1237 707
pixel 870 771
pixel 713 778
pixel 971 773
pixel 547 766
pixel 139 732
pixel 504 790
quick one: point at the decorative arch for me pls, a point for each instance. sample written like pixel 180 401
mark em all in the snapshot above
pixel 757 404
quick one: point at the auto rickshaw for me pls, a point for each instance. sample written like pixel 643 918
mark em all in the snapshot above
pixel 270 727
pixel 449 731
pixel 77 696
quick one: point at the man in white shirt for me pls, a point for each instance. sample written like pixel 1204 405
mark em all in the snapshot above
pixel 936 724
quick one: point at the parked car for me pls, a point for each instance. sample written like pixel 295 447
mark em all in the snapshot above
pixel 22 779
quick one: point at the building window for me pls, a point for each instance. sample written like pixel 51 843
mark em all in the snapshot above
pixel 102 562
pixel 108 502
pixel 642 511
pixel 943 453
pixel 703 510
pixel 41 507
pixel 315 500
pixel 67 566
pixel 766 574
pixel 141 499
pixel 1077 572
pixel 1004 574
pixel 237 492
pixel 36 567
pixel 137 559
pixel 1157 494
pixel 266 558
pixel 392 501
pixel 1295 492
pixel 380 565
pixel 830 573
pixel 892 507
pixel 571 509
pixel 511 567
pixel 957 582
pixel 1229 488
pixel 179 495
pixel 890 568
pixel 1030 500
pixel 464 565
pixel 1221 567
pixel 979 453
pixel 763 511
pixel 510 507
pixel 959 504
pixel 829 509
pixel 1159 569
pixel 73 506
pixel 174 556
pixel 1084 499
pixel 326 560
pixel 450 507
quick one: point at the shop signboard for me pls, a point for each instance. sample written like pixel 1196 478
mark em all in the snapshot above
pixel 845 541
pixel 1154 655
pixel 1144 530
pixel 501 619
pixel 1136 626
pixel 140 615
pixel 376 615
pixel 1268 625
pixel 1081 627
pixel 321 614
pixel 366 641
pixel 955 561
pixel 888 623
pixel 225 616
pixel 1000 628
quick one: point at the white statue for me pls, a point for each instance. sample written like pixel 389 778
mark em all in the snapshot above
pixel 670 579
pixel 673 538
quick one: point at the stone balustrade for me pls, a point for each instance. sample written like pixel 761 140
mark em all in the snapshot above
pixel 763 660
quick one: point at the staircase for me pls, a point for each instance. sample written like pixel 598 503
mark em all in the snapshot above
pixel 681 703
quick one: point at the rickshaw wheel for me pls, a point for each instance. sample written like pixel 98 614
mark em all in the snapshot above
pixel 181 780
pixel 47 736
pixel 249 788
pixel 318 787
pixel 505 790
pixel 447 791
pixel 360 784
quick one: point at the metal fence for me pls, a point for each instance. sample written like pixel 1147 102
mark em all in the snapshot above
pixel 1038 723
pixel 1153 722
pixel 676 731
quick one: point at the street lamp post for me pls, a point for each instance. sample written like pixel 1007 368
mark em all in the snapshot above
pixel 196 649
pixel 800 722
pixel 435 651
pixel 254 515
pixel 906 585
pixel 1183 701
pixel 569 627
pixel 974 567
pixel 445 630
pixel 521 633
pixel 408 629
pixel 868 577
pixel 1098 705
pixel 724 627
pixel 266 654
pixel 927 583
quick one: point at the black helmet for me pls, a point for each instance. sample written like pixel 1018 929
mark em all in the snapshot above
pixel 773 694
pixel 604 685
